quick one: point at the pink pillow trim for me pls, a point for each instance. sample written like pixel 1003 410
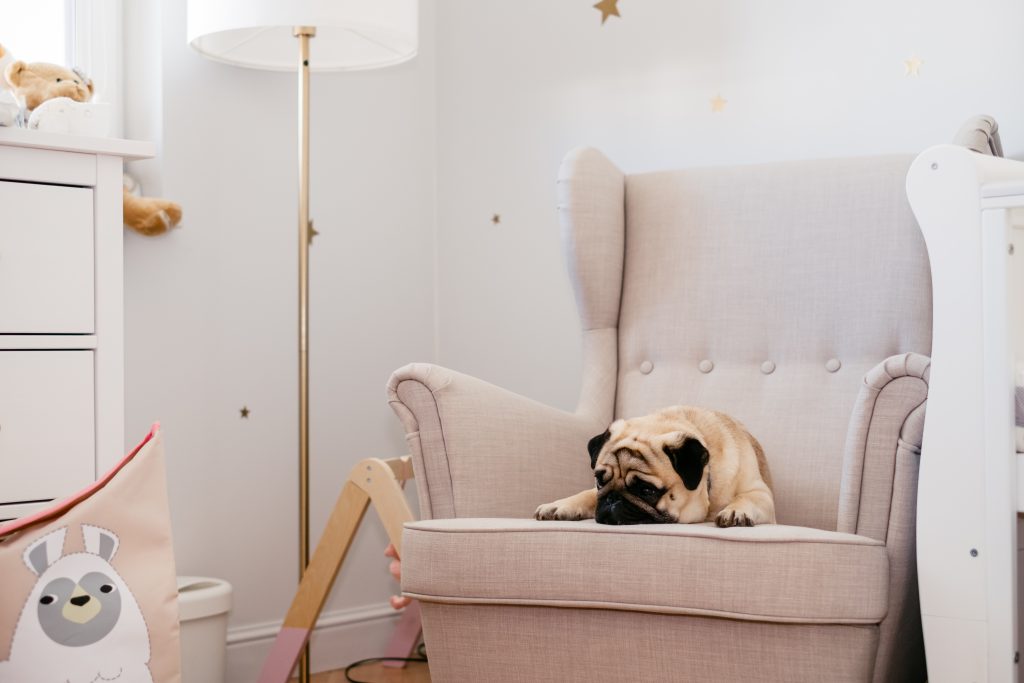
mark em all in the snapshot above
pixel 62 506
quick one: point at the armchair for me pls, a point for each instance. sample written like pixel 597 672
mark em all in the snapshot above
pixel 794 296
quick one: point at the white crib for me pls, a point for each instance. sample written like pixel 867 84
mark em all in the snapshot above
pixel 971 210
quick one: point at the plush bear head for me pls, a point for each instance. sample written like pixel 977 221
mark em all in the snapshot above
pixel 33 84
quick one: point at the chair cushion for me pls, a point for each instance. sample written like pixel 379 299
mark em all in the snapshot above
pixel 768 573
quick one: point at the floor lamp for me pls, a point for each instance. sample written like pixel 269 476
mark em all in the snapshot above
pixel 275 35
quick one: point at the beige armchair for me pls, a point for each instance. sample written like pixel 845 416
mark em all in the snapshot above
pixel 795 297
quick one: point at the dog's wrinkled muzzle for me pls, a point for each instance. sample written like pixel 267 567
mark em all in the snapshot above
pixel 615 508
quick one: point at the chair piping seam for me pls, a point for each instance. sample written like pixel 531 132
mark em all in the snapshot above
pixel 444 440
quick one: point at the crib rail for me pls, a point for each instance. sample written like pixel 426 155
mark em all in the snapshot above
pixel 971 210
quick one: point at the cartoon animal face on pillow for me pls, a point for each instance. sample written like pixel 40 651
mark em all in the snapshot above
pixel 33 84
pixel 79 613
pixel 80 623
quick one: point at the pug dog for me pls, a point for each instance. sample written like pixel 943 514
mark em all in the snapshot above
pixel 677 466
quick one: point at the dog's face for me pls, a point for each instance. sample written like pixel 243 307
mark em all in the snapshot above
pixel 644 476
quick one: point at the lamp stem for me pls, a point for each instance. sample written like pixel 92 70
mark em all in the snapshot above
pixel 304 33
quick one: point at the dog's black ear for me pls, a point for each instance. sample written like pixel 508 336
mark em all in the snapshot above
pixel 688 460
pixel 596 444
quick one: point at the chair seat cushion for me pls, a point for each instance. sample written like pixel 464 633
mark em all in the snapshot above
pixel 771 573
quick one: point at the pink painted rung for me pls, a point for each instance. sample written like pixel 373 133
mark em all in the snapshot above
pixel 283 656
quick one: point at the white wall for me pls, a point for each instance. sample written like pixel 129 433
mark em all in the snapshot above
pixel 211 310
pixel 521 83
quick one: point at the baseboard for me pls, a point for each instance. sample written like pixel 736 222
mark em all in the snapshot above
pixel 341 637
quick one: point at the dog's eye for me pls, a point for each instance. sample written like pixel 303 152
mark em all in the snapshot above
pixel 599 476
pixel 58 80
pixel 106 588
pixel 642 488
pixel 47 600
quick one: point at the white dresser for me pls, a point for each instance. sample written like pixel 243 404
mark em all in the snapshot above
pixel 61 313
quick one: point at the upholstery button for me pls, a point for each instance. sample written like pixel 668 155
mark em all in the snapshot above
pixel 767 367
pixel 646 367
pixel 706 366
pixel 833 365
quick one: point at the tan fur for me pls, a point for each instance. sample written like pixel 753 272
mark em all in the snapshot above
pixel 762 463
pixel 150 216
pixel 740 479
pixel 35 83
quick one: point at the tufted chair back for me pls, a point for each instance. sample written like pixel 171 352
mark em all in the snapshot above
pixel 766 292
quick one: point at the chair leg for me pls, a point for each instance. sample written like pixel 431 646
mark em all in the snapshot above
pixel 371 480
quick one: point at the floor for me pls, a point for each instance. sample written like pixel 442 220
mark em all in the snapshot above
pixel 412 673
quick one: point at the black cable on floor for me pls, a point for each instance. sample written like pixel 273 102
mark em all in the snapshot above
pixel 421 651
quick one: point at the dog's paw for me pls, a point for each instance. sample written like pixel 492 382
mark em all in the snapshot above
pixel 732 517
pixel 563 509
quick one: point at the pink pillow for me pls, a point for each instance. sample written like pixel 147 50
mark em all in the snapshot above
pixel 89 589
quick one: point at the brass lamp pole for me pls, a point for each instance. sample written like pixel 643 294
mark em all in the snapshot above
pixel 304 33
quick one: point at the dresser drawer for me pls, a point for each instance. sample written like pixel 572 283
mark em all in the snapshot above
pixel 12 511
pixel 47 433
pixel 46 259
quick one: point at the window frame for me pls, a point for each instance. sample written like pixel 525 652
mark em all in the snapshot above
pixel 93 38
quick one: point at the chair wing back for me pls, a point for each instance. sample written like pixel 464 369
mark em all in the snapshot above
pixel 763 291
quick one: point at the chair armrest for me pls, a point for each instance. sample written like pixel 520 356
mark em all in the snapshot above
pixel 878 498
pixel 481 451
pixel 883 446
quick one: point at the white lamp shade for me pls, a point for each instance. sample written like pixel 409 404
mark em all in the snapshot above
pixel 350 34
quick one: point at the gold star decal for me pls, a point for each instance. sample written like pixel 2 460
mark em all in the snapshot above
pixel 496 218
pixel 608 8
pixel 718 104
pixel 244 412
pixel 912 67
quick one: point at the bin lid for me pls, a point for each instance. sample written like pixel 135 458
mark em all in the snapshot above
pixel 201 596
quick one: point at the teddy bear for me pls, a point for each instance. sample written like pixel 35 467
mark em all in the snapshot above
pixel 148 215
pixel 33 84
pixel 55 99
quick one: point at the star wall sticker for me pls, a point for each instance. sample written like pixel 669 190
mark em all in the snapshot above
pixel 718 104
pixel 912 67
pixel 608 8
pixel 244 412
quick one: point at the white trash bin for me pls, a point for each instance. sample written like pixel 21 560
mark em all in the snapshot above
pixel 203 606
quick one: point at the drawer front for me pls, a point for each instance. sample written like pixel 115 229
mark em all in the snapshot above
pixel 46 259
pixel 47 433
pixel 13 511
